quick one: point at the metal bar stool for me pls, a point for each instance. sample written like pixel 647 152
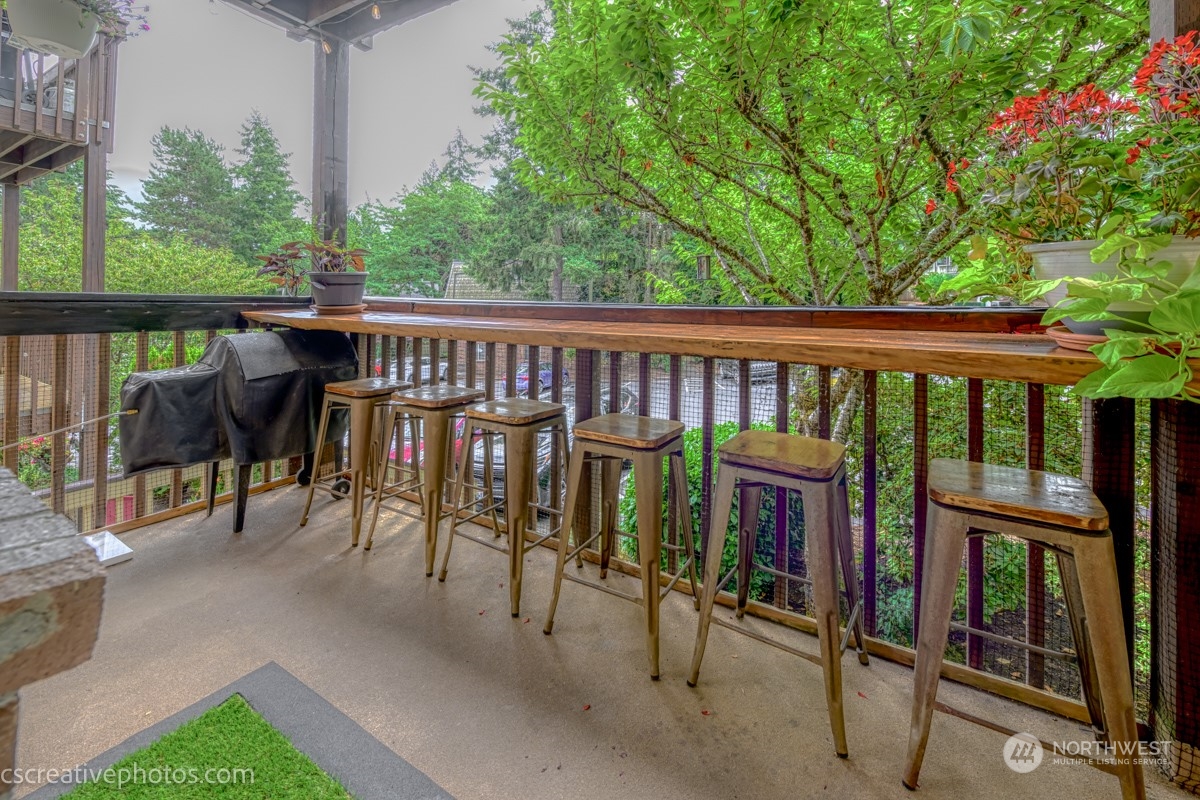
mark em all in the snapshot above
pixel 435 407
pixel 1061 514
pixel 815 468
pixel 520 421
pixel 644 440
pixel 361 397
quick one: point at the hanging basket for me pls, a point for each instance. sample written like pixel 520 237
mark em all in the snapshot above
pixel 58 27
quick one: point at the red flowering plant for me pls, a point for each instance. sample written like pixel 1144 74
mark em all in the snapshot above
pixel 1087 165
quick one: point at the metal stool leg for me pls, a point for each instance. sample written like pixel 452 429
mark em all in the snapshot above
pixel 436 432
pixel 322 429
pixel 574 479
pixel 820 538
pixel 713 547
pixel 519 446
pixel 845 546
pixel 749 507
pixel 1073 595
pixel 610 489
pixel 648 479
pixel 360 459
pixel 1096 567
pixel 465 461
pixel 941 562
pixel 677 468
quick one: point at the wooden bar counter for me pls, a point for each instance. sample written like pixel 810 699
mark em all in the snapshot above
pixel 1029 358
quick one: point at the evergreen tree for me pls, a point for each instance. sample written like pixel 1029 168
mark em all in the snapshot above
pixel 265 195
pixel 461 164
pixel 189 191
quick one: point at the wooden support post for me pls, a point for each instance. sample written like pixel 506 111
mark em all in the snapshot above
pixel 11 239
pixel 95 215
pixel 1175 592
pixel 1171 18
pixel 331 140
pixel 1108 467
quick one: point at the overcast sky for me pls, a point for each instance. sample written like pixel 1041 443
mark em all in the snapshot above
pixel 205 65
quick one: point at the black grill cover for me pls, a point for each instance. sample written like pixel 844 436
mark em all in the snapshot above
pixel 252 396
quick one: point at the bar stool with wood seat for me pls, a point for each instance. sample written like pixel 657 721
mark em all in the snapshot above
pixel 435 407
pixel 612 438
pixel 816 468
pixel 519 420
pixel 1062 515
pixel 361 397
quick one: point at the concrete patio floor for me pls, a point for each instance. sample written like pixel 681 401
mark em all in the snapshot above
pixel 485 704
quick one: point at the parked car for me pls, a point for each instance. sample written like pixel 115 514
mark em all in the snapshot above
pixel 760 371
pixel 407 370
pixel 545 378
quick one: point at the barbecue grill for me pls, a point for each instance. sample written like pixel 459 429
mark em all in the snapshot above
pixel 252 397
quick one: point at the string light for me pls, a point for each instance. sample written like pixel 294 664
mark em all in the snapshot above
pixel 325 46
pixel 375 11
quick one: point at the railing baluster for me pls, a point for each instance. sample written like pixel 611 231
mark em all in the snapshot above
pixel 1035 557
pixel 58 419
pixel 417 348
pixel 920 487
pixel 141 364
pixel 533 386
pixel 510 370
pixel 12 399
pixel 180 358
pixel 707 421
pixel 644 384
pixel 674 412
pixel 824 402
pixel 452 361
pixel 870 498
pixel 470 378
pixel 100 436
pixel 587 372
pixel 435 362
pixel 782 586
pixel 743 397
pixel 975 545
pixel 489 371
pixel 614 382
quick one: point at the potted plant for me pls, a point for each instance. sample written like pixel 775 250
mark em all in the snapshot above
pixel 335 274
pixel 1103 195
pixel 1080 175
pixel 67 28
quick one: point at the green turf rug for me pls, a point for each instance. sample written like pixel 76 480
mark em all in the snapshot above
pixel 297 743
pixel 229 752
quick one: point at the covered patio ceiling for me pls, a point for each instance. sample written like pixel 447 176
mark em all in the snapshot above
pixel 352 22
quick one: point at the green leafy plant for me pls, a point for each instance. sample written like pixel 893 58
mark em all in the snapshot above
pixel 286 266
pixel 120 17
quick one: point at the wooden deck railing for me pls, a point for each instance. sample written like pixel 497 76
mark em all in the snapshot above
pixel 1011 633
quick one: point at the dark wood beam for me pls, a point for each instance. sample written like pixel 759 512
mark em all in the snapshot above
pixel 321 10
pixel 331 139
pixel 9 244
pixel 37 313
pixel 1171 18
pixel 11 140
pixel 362 25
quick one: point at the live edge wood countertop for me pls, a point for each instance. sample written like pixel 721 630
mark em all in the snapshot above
pixel 1031 358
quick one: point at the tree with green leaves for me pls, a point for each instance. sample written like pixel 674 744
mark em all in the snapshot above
pixel 265 196
pixel 412 243
pixel 136 260
pixel 189 191
pixel 821 152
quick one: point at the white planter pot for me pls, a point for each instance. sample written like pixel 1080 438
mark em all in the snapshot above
pixel 1074 259
pixel 58 27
